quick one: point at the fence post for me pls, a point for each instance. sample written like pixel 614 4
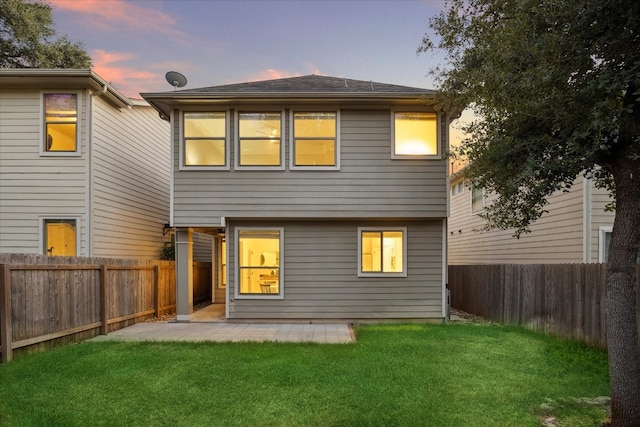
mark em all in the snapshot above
pixel 103 300
pixel 156 289
pixel 5 309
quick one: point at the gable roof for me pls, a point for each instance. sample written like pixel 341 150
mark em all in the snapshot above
pixel 310 88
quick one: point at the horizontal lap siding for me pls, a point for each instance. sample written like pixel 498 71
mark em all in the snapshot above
pixel 369 183
pixel 131 181
pixel 32 185
pixel 554 238
pixel 320 275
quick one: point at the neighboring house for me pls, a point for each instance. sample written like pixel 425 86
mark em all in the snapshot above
pixel 327 197
pixel 84 170
pixel 576 228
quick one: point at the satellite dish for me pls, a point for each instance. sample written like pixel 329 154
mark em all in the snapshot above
pixel 176 79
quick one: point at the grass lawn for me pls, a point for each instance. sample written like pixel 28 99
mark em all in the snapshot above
pixel 395 375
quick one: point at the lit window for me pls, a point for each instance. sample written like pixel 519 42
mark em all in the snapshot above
pixel 60 122
pixel 382 252
pixel 415 134
pixel 223 264
pixel 205 139
pixel 478 199
pixel 314 139
pixel 259 262
pixel 60 237
pixel 259 139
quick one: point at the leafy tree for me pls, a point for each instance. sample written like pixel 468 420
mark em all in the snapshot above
pixel 27 39
pixel 555 85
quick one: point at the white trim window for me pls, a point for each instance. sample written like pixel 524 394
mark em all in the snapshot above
pixel 478 199
pixel 59 236
pixel 259 263
pixel 205 142
pixel 59 131
pixel 315 142
pixel 259 140
pixel 382 252
pixel 457 188
pixel 604 241
pixel 415 135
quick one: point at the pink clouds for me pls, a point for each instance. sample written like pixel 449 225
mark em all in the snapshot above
pixel 272 73
pixel 130 81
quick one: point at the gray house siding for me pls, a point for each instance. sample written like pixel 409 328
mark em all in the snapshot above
pixel 320 265
pixel 131 181
pixel 559 236
pixel 31 185
pixel 369 183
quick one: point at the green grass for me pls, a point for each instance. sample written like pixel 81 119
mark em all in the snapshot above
pixel 395 375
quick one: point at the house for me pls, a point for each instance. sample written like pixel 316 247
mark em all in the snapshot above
pixel 84 170
pixel 576 228
pixel 327 197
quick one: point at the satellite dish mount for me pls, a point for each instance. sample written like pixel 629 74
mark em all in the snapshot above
pixel 176 79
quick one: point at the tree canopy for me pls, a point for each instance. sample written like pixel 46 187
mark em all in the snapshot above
pixel 555 85
pixel 28 39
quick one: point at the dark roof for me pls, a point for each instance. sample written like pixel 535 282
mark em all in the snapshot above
pixel 308 84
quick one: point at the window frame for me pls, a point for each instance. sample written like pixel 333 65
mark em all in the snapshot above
pixel 404 272
pixel 42 225
pixel 292 140
pixel 236 269
pixel 457 189
pixel 43 124
pixel 183 145
pixel 437 156
pixel 602 239
pixel 236 134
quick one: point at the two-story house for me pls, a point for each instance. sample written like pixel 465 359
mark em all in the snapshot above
pixel 327 197
pixel 84 170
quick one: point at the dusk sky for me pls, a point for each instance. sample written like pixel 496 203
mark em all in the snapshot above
pixel 133 43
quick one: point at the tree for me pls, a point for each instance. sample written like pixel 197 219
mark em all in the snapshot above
pixel 27 39
pixel 555 85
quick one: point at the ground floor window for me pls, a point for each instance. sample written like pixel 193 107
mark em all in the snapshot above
pixel 382 252
pixel 222 283
pixel 60 237
pixel 260 262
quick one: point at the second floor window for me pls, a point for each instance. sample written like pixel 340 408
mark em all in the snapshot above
pixel 205 136
pixel 314 138
pixel 60 122
pixel 478 199
pixel 259 139
pixel 415 134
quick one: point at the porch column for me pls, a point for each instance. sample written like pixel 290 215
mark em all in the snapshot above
pixel 184 274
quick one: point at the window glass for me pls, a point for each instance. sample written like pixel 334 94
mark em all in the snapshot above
pixel 259 262
pixel 382 251
pixel 477 199
pixel 205 139
pixel 60 237
pixel 61 119
pixel 314 139
pixel 259 139
pixel 415 134
pixel 223 264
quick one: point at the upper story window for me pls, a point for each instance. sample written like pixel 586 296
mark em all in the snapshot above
pixel 259 139
pixel 457 188
pixel 478 199
pixel 315 140
pixel 205 139
pixel 60 127
pixel 415 135
pixel 382 252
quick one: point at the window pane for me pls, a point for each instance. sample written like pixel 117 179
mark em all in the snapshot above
pixel 416 134
pixel 371 252
pixel 202 125
pixel 61 116
pixel 314 152
pixel 259 152
pixel 60 237
pixel 477 199
pixel 259 125
pixel 259 262
pixel 392 252
pixel 204 152
pixel 315 125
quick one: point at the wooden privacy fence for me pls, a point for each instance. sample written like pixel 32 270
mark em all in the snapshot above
pixel 566 300
pixel 45 301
